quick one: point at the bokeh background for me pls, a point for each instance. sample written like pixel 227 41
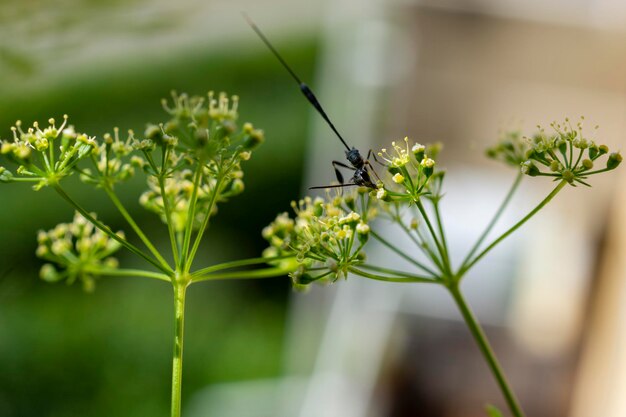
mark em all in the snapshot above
pixel 454 71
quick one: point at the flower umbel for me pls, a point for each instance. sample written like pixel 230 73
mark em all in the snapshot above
pixel 411 171
pixel 567 154
pixel 44 156
pixel 79 250
pixel 326 235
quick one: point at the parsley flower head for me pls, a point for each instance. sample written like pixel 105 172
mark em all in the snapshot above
pixel 76 251
pixel 326 236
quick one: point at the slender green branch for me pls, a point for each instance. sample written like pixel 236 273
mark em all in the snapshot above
pixel 253 274
pixel 445 262
pixel 495 218
pixel 396 272
pixel 129 273
pixel 377 277
pixel 177 362
pixel 421 243
pixel 402 254
pixel 108 231
pixel 191 216
pixel 205 223
pixel 486 350
pixel 442 234
pixel 129 219
pixel 516 226
pixel 168 219
pixel 242 262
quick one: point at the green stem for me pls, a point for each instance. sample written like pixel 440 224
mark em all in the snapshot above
pixel 177 362
pixel 205 224
pixel 120 207
pixel 402 254
pixel 129 273
pixel 108 231
pixel 254 274
pixel 401 278
pixel 445 263
pixel 168 218
pixel 242 262
pixel 191 215
pixel 516 226
pixel 396 272
pixel 444 243
pixel 495 218
pixel 486 350
pixel 420 242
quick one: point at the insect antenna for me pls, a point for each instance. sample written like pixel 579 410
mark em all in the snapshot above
pixel 303 87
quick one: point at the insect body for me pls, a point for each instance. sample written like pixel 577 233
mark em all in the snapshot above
pixel 361 166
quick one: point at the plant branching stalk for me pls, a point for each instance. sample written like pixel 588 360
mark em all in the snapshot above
pixel 168 218
pixel 516 226
pixel 444 243
pixel 402 254
pixel 108 231
pixel 486 350
pixel 191 215
pixel 205 224
pixel 117 272
pixel 495 218
pixel 445 262
pixel 400 278
pixel 177 363
pixel 146 241
pixel 253 274
pixel 241 262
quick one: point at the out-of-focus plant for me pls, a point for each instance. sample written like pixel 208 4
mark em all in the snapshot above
pixel 192 163
pixel 328 235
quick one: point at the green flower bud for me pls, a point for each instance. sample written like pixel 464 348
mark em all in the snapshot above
pixel 418 151
pixel 594 152
pixel 603 149
pixel 5 175
pixel 555 166
pixel 427 165
pixel 530 169
pixel 253 140
pixel 153 132
pixel 49 273
pixel 614 160
pixel 587 163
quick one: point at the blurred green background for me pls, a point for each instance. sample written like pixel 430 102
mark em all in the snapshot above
pixel 67 353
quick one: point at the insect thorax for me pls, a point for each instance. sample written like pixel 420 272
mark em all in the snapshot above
pixel 354 157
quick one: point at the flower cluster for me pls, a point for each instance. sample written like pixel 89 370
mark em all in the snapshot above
pixel 412 170
pixel 326 236
pixel 44 156
pixel 112 160
pixel 567 154
pixel 201 151
pixel 79 250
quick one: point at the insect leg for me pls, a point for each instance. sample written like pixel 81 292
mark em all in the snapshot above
pixel 367 162
pixel 338 173
pixel 332 186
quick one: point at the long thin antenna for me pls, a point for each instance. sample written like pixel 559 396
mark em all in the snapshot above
pixel 303 87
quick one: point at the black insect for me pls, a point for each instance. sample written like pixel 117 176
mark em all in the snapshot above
pixel 361 166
